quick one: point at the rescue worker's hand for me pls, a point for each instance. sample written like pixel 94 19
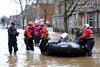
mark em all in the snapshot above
pixel 17 33
pixel 48 38
pixel 31 37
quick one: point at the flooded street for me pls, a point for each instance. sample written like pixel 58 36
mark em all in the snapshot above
pixel 35 59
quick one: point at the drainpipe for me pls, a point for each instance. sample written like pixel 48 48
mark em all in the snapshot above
pixel 97 22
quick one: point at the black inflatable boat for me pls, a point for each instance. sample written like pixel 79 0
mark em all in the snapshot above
pixel 63 48
pixel 70 49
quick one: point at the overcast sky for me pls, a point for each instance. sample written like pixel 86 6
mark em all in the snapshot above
pixel 9 7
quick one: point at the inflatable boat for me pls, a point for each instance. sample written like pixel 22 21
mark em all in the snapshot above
pixel 70 49
pixel 63 48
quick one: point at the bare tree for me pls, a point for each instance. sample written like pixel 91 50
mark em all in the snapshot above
pixel 45 6
pixel 30 10
pixel 21 2
pixel 69 8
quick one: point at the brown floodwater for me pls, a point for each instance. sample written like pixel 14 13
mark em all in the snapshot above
pixel 36 59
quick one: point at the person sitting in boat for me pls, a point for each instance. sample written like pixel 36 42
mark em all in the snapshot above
pixel 78 33
pixel 88 39
pixel 63 38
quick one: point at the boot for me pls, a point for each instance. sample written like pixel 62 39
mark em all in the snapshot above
pixel 10 52
pixel 15 52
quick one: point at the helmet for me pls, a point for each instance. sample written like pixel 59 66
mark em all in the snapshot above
pixel 12 23
pixel 64 35
pixel 36 21
pixel 30 23
pixel 86 25
pixel 42 23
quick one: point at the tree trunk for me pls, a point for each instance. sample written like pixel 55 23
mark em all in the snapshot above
pixel 45 17
pixel 22 13
pixel 65 24
pixel 65 15
pixel 23 21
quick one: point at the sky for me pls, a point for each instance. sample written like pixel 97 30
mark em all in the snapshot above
pixel 9 7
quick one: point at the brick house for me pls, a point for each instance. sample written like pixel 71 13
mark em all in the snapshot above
pixel 46 11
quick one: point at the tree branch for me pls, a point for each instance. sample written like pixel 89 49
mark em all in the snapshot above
pixel 73 9
pixel 42 8
pixel 84 3
pixel 16 2
pixel 70 6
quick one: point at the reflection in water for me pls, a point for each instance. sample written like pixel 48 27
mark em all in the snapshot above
pixel 35 60
pixel 12 61
pixel 29 60
pixel 69 62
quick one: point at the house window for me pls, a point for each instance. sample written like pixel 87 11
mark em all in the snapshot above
pixel 90 19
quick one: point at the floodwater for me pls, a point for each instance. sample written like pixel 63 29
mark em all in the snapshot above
pixel 35 59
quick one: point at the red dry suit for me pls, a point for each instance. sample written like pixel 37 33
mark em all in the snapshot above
pixel 89 42
pixel 44 32
pixel 28 32
pixel 87 33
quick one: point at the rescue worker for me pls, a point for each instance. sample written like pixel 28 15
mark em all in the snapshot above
pixel 28 33
pixel 36 32
pixel 44 38
pixel 88 39
pixel 12 40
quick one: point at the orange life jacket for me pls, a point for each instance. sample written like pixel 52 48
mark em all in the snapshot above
pixel 44 33
pixel 86 34
pixel 27 33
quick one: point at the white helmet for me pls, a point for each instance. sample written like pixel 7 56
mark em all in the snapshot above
pixel 36 21
pixel 42 23
pixel 86 25
pixel 64 35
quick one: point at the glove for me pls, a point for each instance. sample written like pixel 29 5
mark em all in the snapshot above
pixel 31 38
pixel 17 33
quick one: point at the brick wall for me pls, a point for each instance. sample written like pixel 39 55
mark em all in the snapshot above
pixel 49 8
